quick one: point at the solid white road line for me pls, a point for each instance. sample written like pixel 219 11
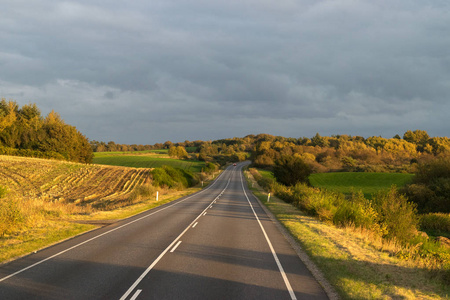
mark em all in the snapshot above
pixel 275 256
pixel 175 247
pixel 105 233
pixel 135 284
pixel 136 295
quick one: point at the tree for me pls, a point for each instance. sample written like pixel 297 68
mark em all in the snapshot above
pixel 178 152
pixel 168 144
pixel 290 170
pixel 430 188
pixel 418 137
pixel 317 140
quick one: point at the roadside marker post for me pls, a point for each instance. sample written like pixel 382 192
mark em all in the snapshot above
pixel 157 195
pixel 268 197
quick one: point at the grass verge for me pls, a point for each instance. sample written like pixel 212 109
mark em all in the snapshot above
pixel 31 240
pixel 56 230
pixel 349 261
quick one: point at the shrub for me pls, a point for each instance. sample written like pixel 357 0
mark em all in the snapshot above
pixel 161 178
pixel 396 215
pixel 438 222
pixel 11 215
pixel 290 170
pixel 210 167
pixel 430 189
pixel 143 191
pixel 171 177
pixel 358 211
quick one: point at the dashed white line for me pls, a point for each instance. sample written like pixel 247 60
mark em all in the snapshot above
pixel 195 225
pixel 136 295
pixel 135 284
pixel 175 247
pixel 204 213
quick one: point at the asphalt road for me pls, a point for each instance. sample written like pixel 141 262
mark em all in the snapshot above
pixel 215 244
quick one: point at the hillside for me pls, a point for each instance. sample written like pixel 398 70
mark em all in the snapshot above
pixel 58 181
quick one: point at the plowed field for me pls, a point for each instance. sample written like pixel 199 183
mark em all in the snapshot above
pixel 57 181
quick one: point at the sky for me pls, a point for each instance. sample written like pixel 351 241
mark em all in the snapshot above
pixel 145 72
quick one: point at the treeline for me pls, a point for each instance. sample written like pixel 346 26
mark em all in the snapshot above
pixel 111 146
pixel 25 132
pixel 322 153
pixel 354 153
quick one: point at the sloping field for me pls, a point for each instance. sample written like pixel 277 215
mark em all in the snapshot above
pixel 147 161
pixel 368 183
pixel 66 182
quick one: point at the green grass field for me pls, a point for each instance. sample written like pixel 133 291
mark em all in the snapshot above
pixel 368 183
pixel 266 174
pixel 147 161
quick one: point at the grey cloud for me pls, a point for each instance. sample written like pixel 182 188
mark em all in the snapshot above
pixel 149 71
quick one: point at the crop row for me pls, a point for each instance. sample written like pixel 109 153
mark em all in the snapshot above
pixel 69 182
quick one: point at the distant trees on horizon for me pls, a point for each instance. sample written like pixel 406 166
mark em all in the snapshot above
pixel 25 132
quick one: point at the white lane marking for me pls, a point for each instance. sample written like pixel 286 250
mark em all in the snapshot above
pixel 204 213
pixel 135 284
pixel 175 247
pixel 275 256
pixel 193 226
pixel 136 295
pixel 105 233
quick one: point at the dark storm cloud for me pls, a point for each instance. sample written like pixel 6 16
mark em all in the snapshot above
pixel 150 71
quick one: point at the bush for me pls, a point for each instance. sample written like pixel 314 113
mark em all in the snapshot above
pixel 143 191
pixel 396 215
pixel 358 211
pixel 290 170
pixel 11 215
pixel 170 177
pixel 210 167
pixel 437 222
pixel 430 189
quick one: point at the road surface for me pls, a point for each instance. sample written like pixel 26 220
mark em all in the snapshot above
pixel 215 244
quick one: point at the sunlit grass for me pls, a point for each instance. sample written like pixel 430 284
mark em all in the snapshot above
pixel 357 264
pixel 148 161
pixel 368 183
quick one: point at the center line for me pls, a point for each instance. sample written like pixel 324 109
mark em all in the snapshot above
pixel 136 295
pixel 135 284
pixel 176 246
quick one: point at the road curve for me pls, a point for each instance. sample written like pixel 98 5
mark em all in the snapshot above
pixel 215 244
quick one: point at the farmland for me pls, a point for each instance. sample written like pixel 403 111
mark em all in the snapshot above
pixel 44 201
pixel 57 181
pixel 368 183
pixel 149 160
